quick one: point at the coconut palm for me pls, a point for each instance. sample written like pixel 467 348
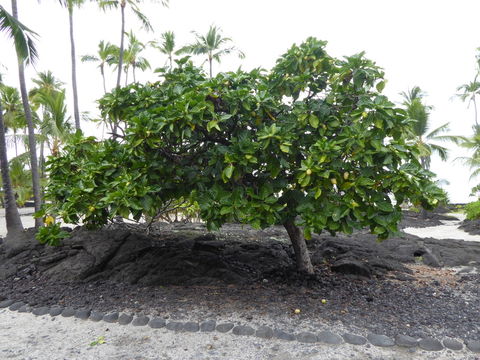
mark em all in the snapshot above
pixel 70 5
pixel 134 6
pixel 419 114
pixel 166 46
pixel 213 45
pixel 13 116
pixel 106 55
pixel 31 130
pixel 132 57
pixel 47 85
pixel 468 92
pixel 23 39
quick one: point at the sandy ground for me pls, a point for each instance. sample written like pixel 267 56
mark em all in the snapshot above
pixel 449 230
pixel 25 336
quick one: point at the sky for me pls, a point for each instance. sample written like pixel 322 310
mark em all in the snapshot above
pixel 428 43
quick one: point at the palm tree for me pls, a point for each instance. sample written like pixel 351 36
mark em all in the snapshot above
pixel 213 45
pixel 70 4
pixel 166 46
pixel 105 55
pixel 13 117
pixel 47 86
pixel 132 56
pixel 419 114
pixel 469 92
pixel 23 39
pixel 31 129
pixel 109 4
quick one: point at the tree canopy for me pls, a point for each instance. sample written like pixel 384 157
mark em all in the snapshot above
pixel 311 143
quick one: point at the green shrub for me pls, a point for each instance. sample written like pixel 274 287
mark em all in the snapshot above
pixel 473 210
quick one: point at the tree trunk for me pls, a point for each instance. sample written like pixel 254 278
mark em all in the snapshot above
pixel 302 257
pixel 171 62
pixel 31 131
pixel 76 113
pixel 133 72
pixel 12 217
pixel 120 55
pixel 103 78
pixel 210 65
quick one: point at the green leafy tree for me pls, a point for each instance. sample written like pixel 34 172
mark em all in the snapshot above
pixel 312 145
pixel 105 56
pixel 213 45
pixel 419 114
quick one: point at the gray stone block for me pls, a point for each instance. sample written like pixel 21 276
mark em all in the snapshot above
pixel 405 341
pixel 354 339
pixel 96 316
pixel 264 332
pixel 6 303
pixel 111 317
pixel 82 314
pixel 157 323
pixel 191 326
pixel 16 305
pixel 55 311
pixel 40 311
pixel 307 337
pixel 208 326
pixel 328 337
pixel 140 321
pixel 452 344
pixel 473 345
pixel 174 326
pixel 243 330
pixel 224 328
pixel 430 344
pixel 68 312
pixel 380 340
pixel 283 335
pixel 125 319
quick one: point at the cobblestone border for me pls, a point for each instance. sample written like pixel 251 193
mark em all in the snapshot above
pixel 264 332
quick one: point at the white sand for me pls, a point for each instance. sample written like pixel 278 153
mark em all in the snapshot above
pixel 25 336
pixel 449 230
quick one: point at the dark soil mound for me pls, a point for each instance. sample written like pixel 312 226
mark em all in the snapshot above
pixel 179 268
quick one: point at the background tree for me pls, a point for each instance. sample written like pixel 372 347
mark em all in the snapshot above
pixel 134 6
pixel 166 46
pixel 70 5
pixel 213 45
pixel 132 58
pixel 106 55
pixel 31 129
pixel 468 92
pixel 13 116
pixel 335 158
pixel 419 114
pixel 23 39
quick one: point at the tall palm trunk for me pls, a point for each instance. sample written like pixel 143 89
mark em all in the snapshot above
pixel 210 60
pixel 122 38
pixel 31 130
pixel 76 113
pixel 133 72
pixel 102 71
pixel 12 217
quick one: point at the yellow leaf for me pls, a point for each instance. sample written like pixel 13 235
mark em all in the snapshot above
pixel 49 220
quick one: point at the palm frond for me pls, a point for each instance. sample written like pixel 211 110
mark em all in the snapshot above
pixel 23 37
